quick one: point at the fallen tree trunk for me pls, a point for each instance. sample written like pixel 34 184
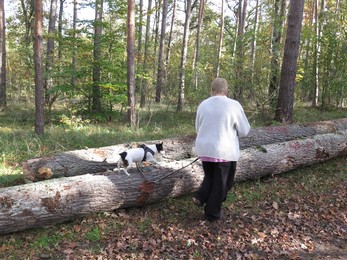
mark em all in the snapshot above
pixel 95 160
pixel 58 200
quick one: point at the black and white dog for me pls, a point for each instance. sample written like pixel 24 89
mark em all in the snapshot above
pixel 138 155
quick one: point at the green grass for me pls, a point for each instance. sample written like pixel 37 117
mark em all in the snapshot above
pixel 44 241
pixel 93 234
pixel 18 141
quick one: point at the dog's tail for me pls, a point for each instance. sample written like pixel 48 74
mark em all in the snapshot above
pixel 122 156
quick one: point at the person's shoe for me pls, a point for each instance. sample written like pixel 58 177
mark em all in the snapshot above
pixel 197 202
pixel 213 219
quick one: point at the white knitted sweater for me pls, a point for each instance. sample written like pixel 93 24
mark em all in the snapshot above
pixel 220 121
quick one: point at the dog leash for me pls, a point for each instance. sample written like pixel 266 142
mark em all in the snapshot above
pixel 140 171
pixel 167 175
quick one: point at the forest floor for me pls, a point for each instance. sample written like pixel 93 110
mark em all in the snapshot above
pixel 297 215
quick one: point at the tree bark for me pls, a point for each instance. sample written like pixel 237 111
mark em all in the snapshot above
pixel 139 40
pixel 131 63
pixel 58 200
pixel 317 51
pixel 96 160
pixel 28 10
pixel 155 36
pixel 74 53
pixel 168 52
pixel 279 13
pixel 184 51
pixel 48 83
pixel 161 53
pixel 220 44
pixel 240 50
pixel 60 25
pixel 197 41
pixel 285 102
pixel 97 55
pixel 146 56
pixel 38 53
pixel 257 14
pixel 3 99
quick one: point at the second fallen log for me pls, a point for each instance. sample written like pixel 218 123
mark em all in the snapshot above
pixel 95 160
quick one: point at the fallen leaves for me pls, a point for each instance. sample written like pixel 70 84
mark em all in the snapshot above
pixel 289 218
pixel 275 205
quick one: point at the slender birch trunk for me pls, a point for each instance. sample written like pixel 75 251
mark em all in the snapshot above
pixel 220 45
pixel 168 52
pixel 197 43
pixel 48 84
pixel 181 87
pixel 146 55
pixel 74 55
pixel 96 106
pixel 239 54
pixel 160 74
pixel 3 101
pixel 131 63
pixel 277 29
pixel 38 64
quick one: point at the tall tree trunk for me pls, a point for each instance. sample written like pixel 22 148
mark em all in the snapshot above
pixel 284 109
pixel 97 56
pixel 168 52
pixel 139 79
pixel 309 44
pixel 145 62
pixel 318 31
pixel 38 51
pixel 184 57
pixel 60 46
pixel 160 75
pixel 341 15
pixel 139 40
pixel 239 54
pixel 220 45
pixel 74 54
pixel 235 10
pixel 28 14
pixel 197 42
pixel 48 83
pixel 158 4
pixel 279 12
pixel 60 27
pixel 254 41
pixel 310 16
pixel 3 101
pixel 131 63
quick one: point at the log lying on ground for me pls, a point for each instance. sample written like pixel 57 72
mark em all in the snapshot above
pixel 58 200
pixel 95 160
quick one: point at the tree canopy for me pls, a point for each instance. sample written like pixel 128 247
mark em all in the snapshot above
pixel 88 64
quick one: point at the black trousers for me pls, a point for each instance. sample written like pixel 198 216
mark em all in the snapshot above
pixel 217 182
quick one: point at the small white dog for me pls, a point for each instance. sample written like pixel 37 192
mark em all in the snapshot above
pixel 138 155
